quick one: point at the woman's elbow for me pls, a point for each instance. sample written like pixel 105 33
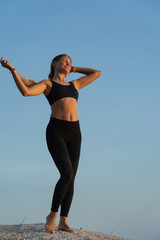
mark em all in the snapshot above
pixel 25 94
pixel 99 73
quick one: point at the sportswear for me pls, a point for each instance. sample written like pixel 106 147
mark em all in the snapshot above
pixel 64 144
pixel 59 91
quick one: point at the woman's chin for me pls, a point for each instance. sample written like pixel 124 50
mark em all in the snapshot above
pixel 65 72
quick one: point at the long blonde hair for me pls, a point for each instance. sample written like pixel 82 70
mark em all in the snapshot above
pixel 27 81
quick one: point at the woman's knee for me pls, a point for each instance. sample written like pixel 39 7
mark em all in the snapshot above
pixel 68 178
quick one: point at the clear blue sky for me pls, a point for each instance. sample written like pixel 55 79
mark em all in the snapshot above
pixel 117 185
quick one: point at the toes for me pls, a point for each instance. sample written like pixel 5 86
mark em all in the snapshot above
pixel 67 229
pixel 49 231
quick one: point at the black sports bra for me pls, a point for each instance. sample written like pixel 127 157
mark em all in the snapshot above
pixel 59 91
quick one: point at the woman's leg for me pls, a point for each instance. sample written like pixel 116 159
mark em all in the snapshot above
pixel 59 152
pixel 74 151
pixel 64 142
pixel 63 163
pixel 65 168
pixel 62 160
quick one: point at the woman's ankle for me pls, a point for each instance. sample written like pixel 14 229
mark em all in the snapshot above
pixel 63 220
pixel 53 214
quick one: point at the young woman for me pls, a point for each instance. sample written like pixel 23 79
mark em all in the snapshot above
pixel 63 133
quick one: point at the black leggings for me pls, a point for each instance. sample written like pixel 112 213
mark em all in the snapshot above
pixel 64 143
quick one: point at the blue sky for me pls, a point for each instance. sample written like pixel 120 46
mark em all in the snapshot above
pixel 117 184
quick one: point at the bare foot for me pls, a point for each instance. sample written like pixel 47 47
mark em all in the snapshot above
pixel 65 227
pixel 50 222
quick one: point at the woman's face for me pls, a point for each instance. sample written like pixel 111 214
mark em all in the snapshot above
pixel 63 65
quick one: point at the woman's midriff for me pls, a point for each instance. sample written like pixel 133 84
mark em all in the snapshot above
pixel 65 109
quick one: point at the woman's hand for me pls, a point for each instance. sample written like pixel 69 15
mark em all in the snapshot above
pixel 92 74
pixel 72 69
pixel 6 64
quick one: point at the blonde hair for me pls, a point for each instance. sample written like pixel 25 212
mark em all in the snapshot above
pixel 27 81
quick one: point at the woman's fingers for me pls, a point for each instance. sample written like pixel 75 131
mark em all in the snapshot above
pixel 2 61
pixel 5 63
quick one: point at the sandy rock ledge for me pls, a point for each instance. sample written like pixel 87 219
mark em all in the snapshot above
pixel 36 232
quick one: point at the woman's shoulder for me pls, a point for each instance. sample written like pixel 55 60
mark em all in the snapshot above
pixel 46 81
pixel 48 84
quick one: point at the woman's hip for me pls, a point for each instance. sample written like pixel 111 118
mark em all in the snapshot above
pixel 67 130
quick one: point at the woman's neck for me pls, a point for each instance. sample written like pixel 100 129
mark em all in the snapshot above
pixel 59 77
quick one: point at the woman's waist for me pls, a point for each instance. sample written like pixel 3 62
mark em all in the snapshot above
pixel 70 117
pixel 62 125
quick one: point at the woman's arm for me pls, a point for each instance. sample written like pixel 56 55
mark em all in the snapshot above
pixel 25 91
pixel 29 91
pixel 92 74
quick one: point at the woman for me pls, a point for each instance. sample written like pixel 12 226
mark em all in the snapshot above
pixel 63 133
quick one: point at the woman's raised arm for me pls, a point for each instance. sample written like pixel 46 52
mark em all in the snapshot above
pixel 92 74
pixel 35 89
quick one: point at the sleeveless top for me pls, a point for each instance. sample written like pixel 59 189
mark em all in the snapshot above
pixel 59 91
